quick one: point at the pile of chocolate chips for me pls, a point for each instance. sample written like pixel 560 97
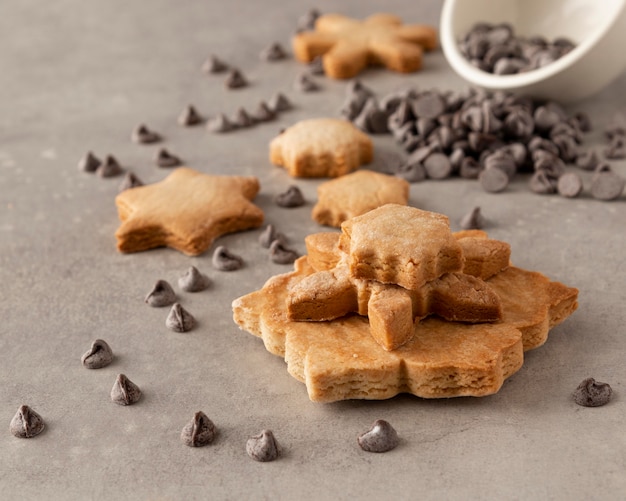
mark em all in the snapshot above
pixel 477 134
pixel 495 48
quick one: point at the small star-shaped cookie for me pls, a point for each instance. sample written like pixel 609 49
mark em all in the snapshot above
pixel 321 147
pixel 186 211
pixel 355 194
pixel 349 45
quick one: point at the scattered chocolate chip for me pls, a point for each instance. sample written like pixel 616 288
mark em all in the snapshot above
pixel 305 83
pixel 161 294
pixel 164 158
pixel 243 118
pixel 290 198
pixel 275 52
pixel 429 105
pixel 124 391
pixel 279 102
pixel 591 393
pixel 473 220
pixel 617 148
pixel 89 163
pixel 501 160
pixel 263 447
pixel 583 121
pixel 470 168
pixel 606 184
pixel 214 65
pixel 235 80
pixel 269 235
pixel 109 168
pixel 493 180
pixel 316 66
pixel 224 260
pixel 130 181
pixel 193 281
pixel 587 160
pixel 412 172
pixel 26 423
pixel 569 185
pixel 98 356
pixel 542 184
pixel 142 135
pixel 279 254
pixel 438 166
pixel 200 431
pixel 189 116
pixel 179 319
pixel 307 21
pixel 381 437
pixel 220 123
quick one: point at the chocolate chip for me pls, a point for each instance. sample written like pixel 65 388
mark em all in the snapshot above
pixel 143 135
pixel 279 102
pixel 402 115
pixel 456 159
pixel 473 220
pixel 264 113
pixel 412 172
pixel 539 143
pixel 129 181
pixel 220 123
pixel 214 65
pixel 243 118
pixel 508 66
pixel 109 168
pixel 381 437
pixel 26 423
pixel 542 184
pixel 591 393
pixel 89 163
pixel 124 391
pixel 587 160
pixel 307 21
pixel 356 88
pixel 189 116
pixel 519 124
pixel 429 105
pixel 290 198
pixel 193 281
pixel 617 148
pixel 199 432
pixel 280 254
pixel 470 168
pixel 316 66
pixel 270 234
pixel 438 166
pixel 161 294
pixel 179 319
pixel 165 159
pixel 583 121
pixel 275 52
pixel 493 180
pixel 569 185
pixel 480 142
pixel 99 355
pixel 263 447
pixel 546 118
pixel 224 260
pixel 503 161
pixel 305 83
pixel 235 80
pixel 606 184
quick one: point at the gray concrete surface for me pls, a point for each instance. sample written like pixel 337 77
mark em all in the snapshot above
pixel 79 75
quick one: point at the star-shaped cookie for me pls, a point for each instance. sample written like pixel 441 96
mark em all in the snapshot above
pixel 186 211
pixel 348 45
pixel 321 147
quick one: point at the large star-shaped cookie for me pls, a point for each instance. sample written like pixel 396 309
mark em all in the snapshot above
pixel 186 211
pixel 349 45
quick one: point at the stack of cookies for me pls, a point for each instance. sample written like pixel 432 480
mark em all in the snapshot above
pixel 396 303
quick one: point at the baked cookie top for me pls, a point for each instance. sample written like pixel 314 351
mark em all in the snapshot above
pixel 186 211
pixel 321 147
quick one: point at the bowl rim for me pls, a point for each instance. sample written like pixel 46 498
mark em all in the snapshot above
pixel 476 76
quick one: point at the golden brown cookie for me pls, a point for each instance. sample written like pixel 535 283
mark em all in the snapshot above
pixel 400 245
pixel 348 45
pixel 186 211
pixel 354 194
pixel 321 147
pixel 323 250
pixel 484 257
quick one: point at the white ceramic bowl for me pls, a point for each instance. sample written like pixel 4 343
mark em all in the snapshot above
pixel 598 27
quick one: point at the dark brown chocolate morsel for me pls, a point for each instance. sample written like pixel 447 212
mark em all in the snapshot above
pixel 161 294
pixel 109 168
pixel 130 181
pixel 199 432
pixel 542 183
pixel 274 52
pixel 220 123
pixel 89 163
pixel 473 220
pixel 306 22
pixel 607 185
pixel 470 168
pixel 569 185
pixel 438 166
pixel 193 281
pixel 26 423
pixel 264 113
pixel 243 118
pixel 279 102
pixel 143 135
pixel 235 80
pixel 263 447
pixel 429 105
pixel 213 64
pixel 493 180
pixel 411 172
pixel 99 355
pixel 587 160
pixel 381 437
pixel 305 83
pixel 290 198
pixel 124 391
pixel 316 66
pixel 617 148
pixel 503 161
pixel 280 254
pixel 269 235
pixel 164 158
pixel 224 260
pixel 591 393
pixel 189 116
pixel 179 319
